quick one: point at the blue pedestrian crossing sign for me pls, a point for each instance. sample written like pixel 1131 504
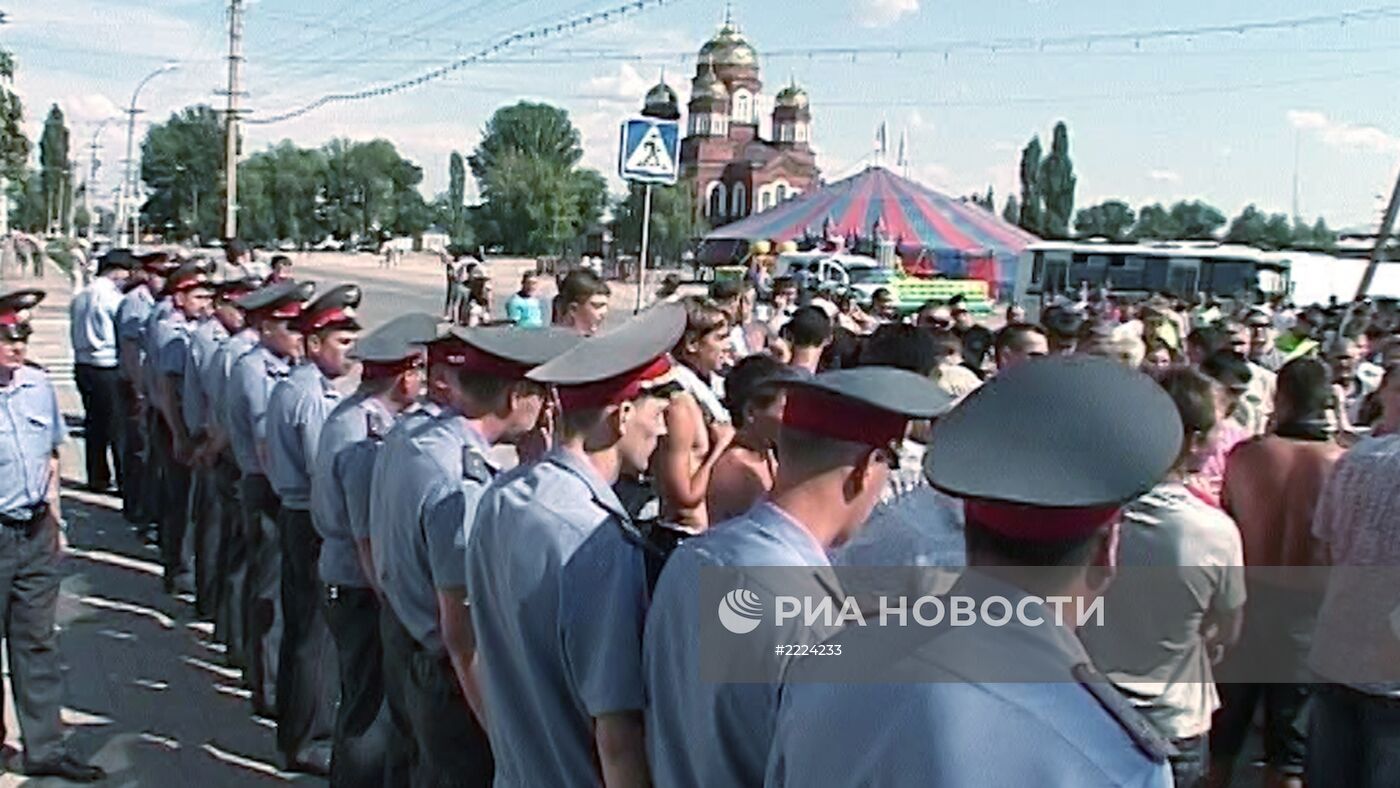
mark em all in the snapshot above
pixel 650 150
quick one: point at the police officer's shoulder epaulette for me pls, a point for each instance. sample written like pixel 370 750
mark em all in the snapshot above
pixel 474 467
pixel 1140 729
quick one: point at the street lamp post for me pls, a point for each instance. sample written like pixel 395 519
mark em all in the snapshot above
pixel 128 184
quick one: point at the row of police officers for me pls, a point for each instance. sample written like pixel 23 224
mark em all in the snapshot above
pixel 410 612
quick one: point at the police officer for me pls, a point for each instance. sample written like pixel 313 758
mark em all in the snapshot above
pixel 135 308
pixel 1043 457
pixel 157 444
pixel 232 563
pixel 834 470
pixel 271 312
pixel 206 504
pixel 296 411
pixel 93 329
pixel 31 432
pixel 558 586
pixel 391 378
pixel 191 295
pixel 427 480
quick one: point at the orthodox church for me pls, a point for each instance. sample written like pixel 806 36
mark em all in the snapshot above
pixel 731 170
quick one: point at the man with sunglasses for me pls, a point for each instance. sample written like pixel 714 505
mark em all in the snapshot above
pixel 832 473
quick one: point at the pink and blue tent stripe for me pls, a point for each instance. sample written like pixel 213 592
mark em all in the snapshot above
pixel 960 239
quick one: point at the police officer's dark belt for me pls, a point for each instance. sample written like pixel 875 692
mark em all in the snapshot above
pixel 23 520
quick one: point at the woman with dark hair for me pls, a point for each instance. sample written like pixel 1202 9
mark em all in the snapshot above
pixel 1163 643
pixel 744 472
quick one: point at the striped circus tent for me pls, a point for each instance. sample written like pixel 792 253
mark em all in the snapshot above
pixel 933 233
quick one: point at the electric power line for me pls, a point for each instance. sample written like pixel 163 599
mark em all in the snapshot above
pixel 545 33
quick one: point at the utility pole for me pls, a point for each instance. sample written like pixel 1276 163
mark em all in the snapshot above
pixel 235 66
pixel 128 191
pixel 1382 238
pixel 94 148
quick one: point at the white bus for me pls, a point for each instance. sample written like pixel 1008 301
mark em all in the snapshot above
pixel 1182 268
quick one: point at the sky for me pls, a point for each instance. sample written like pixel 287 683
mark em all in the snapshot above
pixel 1219 116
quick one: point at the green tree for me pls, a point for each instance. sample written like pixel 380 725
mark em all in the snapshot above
pixel 456 195
pixel 371 192
pixel 1057 182
pixel 1112 220
pixel 280 191
pixel 1155 223
pixel 1032 213
pixel 28 212
pixel 55 174
pixel 535 199
pixel 182 163
pixel 14 145
pixel 1012 212
pixel 527 129
pixel 1196 221
pixel 673 223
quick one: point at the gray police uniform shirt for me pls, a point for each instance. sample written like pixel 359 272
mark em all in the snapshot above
pixel 31 429
pixel 219 370
pixel 942 722
pixel 132 313
pixel 93 323
pixel 167 346
pixel 558 598
pixel 427 481
pixel 296 412
pixel 194 399
pixel 340 473
pixel 250 386
pixel 702 733
pixel 152 339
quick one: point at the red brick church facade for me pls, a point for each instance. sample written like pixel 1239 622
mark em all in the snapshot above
pixel 731 170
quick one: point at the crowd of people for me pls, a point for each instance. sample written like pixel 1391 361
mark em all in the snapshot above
pixel 410 611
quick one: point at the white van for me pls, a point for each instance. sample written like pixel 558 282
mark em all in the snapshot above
pixel 845 271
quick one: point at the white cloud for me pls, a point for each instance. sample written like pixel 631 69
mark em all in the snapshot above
pixel 1165 176
pixel 1343 135
pixel 879 13
pixel 627 86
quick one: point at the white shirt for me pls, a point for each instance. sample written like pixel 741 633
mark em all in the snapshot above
pixel 93 323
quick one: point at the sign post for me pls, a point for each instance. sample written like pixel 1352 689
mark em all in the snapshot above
pixel 649 153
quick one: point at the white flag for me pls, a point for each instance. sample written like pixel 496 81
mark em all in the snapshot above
pixel 882 139
pixel 903 149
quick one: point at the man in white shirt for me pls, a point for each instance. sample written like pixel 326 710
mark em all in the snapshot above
pixel 93 330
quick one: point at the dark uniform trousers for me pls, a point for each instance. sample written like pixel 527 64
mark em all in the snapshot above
pixel 173 478
pixel 153 490
pixel 363 756
pixel 452 746
pixel 398 658
pixel 231 565
pixel 29 571
pixel 133 462
pixel 206 512
pixel 262 603
pixel 307 683
pixel 102 423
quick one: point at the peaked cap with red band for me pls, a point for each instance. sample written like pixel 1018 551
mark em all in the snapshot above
pixel 280 301
pixel 508 352
pixel 189 276
pixel 869 405
pixel 617 366
pixel 1052 449
pixel 232 289
pixel 395 347
pixel 160 263
pixel 14 313
pixel 333 310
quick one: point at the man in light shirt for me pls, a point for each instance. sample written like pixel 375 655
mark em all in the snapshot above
pixel 93 329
